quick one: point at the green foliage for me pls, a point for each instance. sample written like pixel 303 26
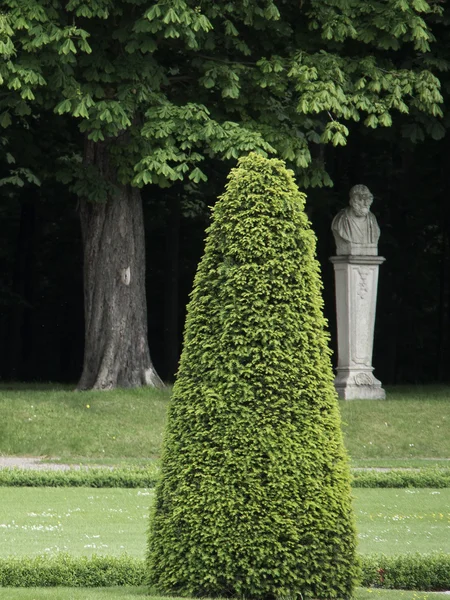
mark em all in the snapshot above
pixel 66 570
pixel 410 572
pixel 92 477
pixel 425 478
pixel 407 571
pixel 18 177
pixel 254 496
pixel 136 477
pixel 176 82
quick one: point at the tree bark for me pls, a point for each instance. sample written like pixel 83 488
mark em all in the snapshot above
pixel 116 352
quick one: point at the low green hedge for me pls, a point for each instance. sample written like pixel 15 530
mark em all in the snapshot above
pixel 137 477
pixel 409 572
pixel 69 571
pixel 124 477
pixel 426 572
pixel 401 478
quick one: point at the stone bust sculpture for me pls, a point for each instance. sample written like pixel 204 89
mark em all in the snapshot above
pixel 355 228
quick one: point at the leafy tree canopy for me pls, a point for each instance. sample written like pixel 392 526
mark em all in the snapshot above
pixel 175 82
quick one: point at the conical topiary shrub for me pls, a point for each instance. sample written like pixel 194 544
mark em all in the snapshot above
pixel 254 496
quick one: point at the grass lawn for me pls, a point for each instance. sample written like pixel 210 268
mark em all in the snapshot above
pixel 139 592
pixel 119 426
pixel 396 521
pixel 412 423
pixel 79 521
pixel 401 463
pixel 121 593
pixel 375 594
pixel 126 426
pixel 86 521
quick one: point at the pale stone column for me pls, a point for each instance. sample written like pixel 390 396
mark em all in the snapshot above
pixel 356 280
pixel 356 265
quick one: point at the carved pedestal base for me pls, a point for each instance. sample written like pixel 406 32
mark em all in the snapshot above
pixel 358 384
pixel 356 295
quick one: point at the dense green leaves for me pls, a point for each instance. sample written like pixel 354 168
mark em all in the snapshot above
pixel 254 497
pixel 409 572
pixel 95 478
pixel 69 571
pixel 272 76
pixel 161 89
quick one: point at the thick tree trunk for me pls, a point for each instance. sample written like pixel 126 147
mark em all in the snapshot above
pixel 116 352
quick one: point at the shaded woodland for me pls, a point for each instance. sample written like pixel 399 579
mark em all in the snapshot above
pixel 163 99
pixel 41 285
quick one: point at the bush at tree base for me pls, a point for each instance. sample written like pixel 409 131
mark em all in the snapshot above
pixel 254 496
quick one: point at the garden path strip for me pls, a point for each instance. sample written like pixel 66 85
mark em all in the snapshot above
pixel 36 463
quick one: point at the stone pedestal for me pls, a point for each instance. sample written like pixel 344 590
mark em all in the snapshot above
pixel 356 296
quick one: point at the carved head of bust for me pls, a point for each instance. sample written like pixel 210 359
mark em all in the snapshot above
pixel 355 228
pixel 360 200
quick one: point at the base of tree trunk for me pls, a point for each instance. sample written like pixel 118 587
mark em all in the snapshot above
pixel 116 346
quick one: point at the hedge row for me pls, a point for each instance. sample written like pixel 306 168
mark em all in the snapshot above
pixel 410 572
pixel 93 477
pixel 147 477
pixel 425 478
pixel 70 571
pixel 426 572
pixel 402 478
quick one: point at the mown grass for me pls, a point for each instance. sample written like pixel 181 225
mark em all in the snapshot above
pixel 401 463
pixel 121 593
pixel 398 521
pixel 375 594
pixel 130 593
pixel 86 521
pixel 408 430
pixel 126 426
pixel 411 424
pixel 78 521
pixel 118 426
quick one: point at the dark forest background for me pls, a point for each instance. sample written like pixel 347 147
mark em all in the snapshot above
pixel 41 293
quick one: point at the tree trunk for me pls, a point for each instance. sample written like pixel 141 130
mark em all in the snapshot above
pixel 116 352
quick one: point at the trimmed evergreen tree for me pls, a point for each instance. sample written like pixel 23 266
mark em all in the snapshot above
pixel 254 498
